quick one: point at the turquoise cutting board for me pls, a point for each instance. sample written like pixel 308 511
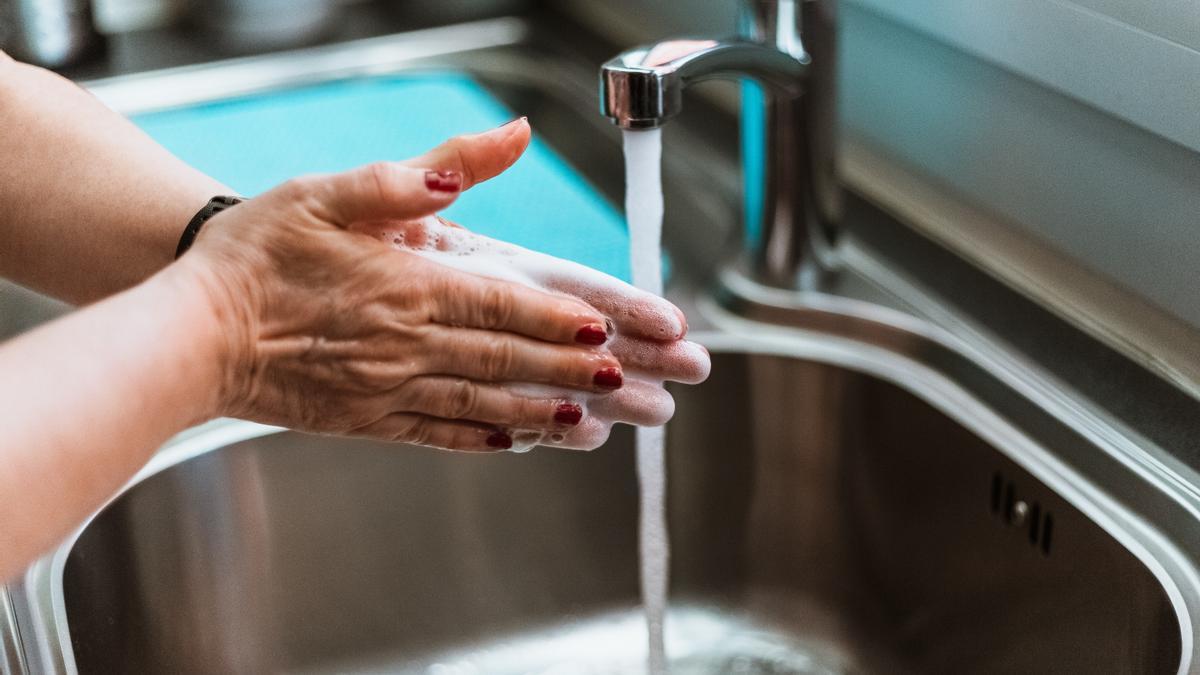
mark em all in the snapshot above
pixel 256 142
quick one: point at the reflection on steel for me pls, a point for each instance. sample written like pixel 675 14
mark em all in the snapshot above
pixel 11 660
pixel 175 87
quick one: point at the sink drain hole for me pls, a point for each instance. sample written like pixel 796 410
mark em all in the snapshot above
pixel 1020 513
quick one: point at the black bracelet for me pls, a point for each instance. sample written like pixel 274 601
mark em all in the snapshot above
pixel 213 207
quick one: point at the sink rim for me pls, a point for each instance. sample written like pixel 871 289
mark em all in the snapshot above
pixel 1174 568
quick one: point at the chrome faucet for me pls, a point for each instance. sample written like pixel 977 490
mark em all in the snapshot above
pixel 788 47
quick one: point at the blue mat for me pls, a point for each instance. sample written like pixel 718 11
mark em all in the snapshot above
pixel 257 142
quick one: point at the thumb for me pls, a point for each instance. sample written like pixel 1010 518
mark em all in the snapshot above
pixel 479 157
pixel 387 191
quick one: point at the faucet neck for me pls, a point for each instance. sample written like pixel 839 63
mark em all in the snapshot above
pixel 793 200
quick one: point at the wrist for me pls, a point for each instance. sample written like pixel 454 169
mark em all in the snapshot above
pixel 215 329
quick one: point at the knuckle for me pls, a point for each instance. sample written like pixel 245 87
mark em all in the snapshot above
pixel 498 359
pixel 298 187
pixel 365 378
pixel 304 192
pixel 381 179
pixel 496 306
pixel 462 400
pixel 536 412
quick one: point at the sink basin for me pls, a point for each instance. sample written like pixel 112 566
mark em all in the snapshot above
pixel 835 507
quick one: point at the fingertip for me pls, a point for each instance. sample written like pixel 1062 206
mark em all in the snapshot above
pixel 674 318
pixel 517 140
pixel 514 127
pixel 512 139
pixel 699 363
pixel 521 132
pixel 659 408
pixel 683 323
pixel 589 435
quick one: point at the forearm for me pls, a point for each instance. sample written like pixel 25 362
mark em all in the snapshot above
pixel 89 205
pixel 85 400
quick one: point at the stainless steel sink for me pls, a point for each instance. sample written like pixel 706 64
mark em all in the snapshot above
pixel 864 485
pixel 834 508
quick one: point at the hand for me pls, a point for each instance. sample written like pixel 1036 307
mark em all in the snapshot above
pixel 329 329
pixel 645 331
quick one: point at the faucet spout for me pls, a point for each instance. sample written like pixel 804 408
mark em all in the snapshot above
pixel 793 199
pixel 642 88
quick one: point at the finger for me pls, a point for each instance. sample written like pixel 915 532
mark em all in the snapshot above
pixel 438 433
pixel 480 302
pixel 385 191
pixel 458 398
pixel 490 356
pixel 635 312
pixel 478 157
pixel 678 361
pixel 638 402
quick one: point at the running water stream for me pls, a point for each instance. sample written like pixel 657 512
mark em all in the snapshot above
pixel 644 210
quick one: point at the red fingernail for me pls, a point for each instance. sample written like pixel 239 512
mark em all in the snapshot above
pixel 500 440
pixel 591 334
pixel 568 413
pixel 608 378
pixel 443 181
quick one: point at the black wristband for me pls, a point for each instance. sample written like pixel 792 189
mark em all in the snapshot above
pixel 213 207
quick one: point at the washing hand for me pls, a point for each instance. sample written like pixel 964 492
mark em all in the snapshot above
pixel 349 308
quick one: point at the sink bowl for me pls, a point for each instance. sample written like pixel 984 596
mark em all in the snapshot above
pixel 836 507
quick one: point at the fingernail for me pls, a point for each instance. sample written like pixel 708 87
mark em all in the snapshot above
pixel 591 334
pixel 443 181
pixel 512 121
pixel 500 440
pixel 608 378
pixel 568 413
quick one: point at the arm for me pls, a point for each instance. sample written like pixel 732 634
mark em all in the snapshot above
pixel 85 399
pixel 89 205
